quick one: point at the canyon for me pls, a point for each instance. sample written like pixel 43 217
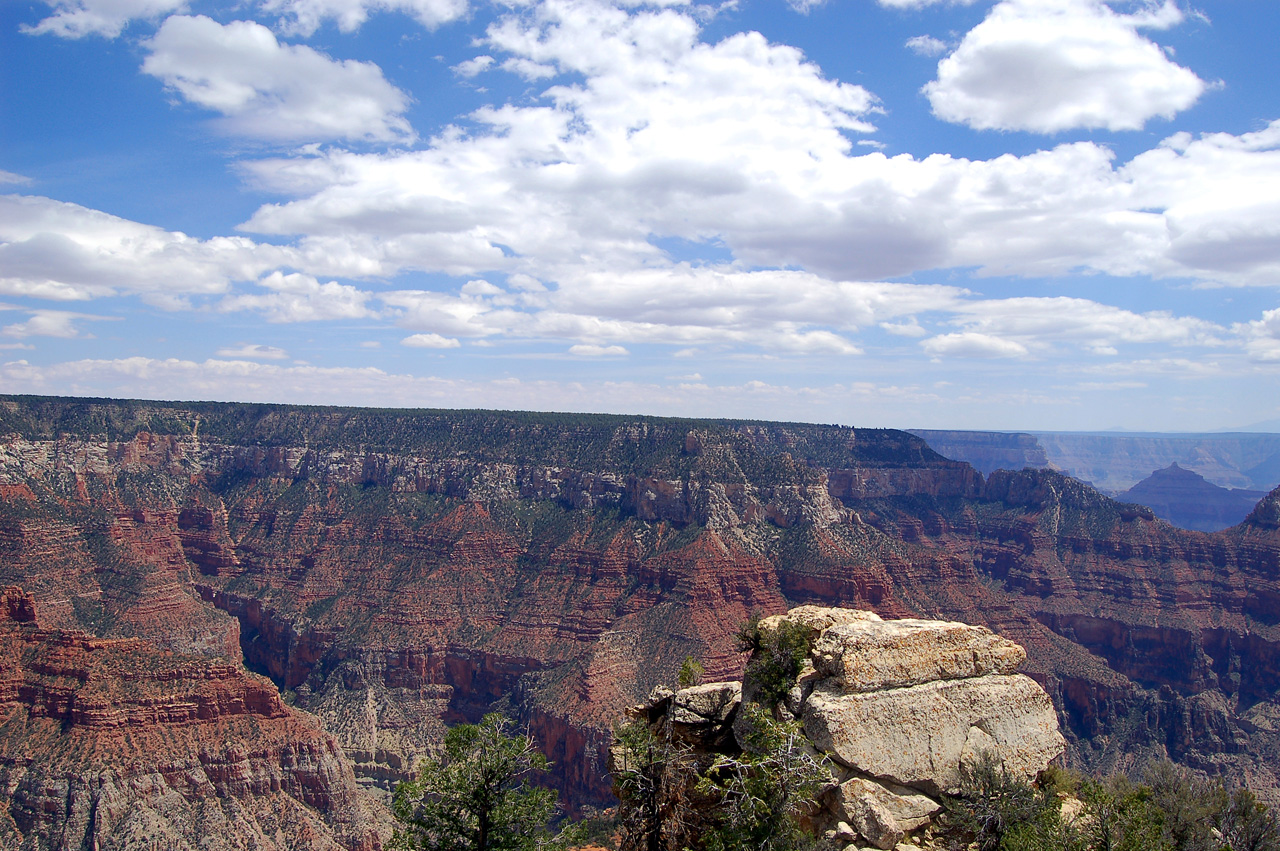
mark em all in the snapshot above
pixel 1116 461
pixel 393 572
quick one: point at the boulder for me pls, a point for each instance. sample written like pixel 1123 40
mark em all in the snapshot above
pixel 874 821
pixel 868 655
pixel 920 735
pixel 712 703
pixel 908 811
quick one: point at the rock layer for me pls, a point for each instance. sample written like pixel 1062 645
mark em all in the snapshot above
pixel 397 571
pixel 109 743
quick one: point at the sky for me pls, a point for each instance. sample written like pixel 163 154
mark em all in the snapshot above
pixel 979 214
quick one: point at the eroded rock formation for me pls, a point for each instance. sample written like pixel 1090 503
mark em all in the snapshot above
pixel 115 743
pixel 900 708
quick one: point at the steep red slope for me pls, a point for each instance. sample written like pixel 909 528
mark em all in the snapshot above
pixel 104 742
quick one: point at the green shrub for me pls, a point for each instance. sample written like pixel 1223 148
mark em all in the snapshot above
pixel 763 792
pixel 777 657
pixel 476 796
pixel 691 672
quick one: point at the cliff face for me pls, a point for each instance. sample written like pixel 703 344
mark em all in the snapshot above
pixel 398 571
pixel 108 742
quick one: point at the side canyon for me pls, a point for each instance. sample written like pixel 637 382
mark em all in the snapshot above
pixel 393 572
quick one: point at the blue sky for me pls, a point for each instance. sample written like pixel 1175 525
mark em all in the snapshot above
pixel 1007 214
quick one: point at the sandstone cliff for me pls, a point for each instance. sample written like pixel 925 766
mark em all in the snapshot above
pixel 114 743
pixel 395 571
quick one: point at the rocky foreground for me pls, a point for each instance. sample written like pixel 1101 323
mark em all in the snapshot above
pixel 900 709
pixel 114 743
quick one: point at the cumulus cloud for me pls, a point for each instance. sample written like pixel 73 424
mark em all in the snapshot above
pixel 1261 337
pixel 971 344
pixel 1052 65
pixel 304 17
pixel 10 177
pixel 52 323
pixel 472 67
pixel 926 45
pixel 252 351
pixel 108 18
pixel 1220 201
pixel 301 298
pixel 54 250
pixel 430 341
pixel 274 91
pixel 1018 326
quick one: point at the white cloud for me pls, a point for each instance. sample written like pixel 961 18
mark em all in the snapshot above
pixel 252 351
pixel 54 250
pixel 472 67
pixel 1035 323
pixel 910 328
pixel 10 177
pixel 804 6
pixel 1220 201
pixel 1052 65
pixel 52 323
pixel 593 351
pixel 1261 337
pixel 304 17
pixel 271 90
pixel 301 298
pixel 971 344
pixel 926 45
pixel 430 341
pixel 78 18
pixel 1019 327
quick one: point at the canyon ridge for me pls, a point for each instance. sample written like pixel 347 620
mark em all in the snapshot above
pixel 392 572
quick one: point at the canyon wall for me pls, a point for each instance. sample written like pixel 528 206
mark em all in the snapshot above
pixel 393 572
pixel 117 743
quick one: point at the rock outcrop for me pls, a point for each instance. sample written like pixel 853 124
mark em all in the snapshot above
pixel 902 709
pixel 115 743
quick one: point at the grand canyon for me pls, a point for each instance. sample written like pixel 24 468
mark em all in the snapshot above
pixel 266 614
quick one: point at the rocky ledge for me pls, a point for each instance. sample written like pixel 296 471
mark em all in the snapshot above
pixel 901 709
pixel 116 743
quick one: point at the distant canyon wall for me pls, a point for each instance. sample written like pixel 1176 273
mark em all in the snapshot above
pixel 1116 462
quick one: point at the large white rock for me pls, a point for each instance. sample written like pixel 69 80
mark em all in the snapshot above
pixel 711 703
pixel 818 618
pixel 868 655
pixel 918 736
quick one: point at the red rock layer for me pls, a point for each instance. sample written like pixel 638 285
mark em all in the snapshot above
pixel 394 592
pixel 116 743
